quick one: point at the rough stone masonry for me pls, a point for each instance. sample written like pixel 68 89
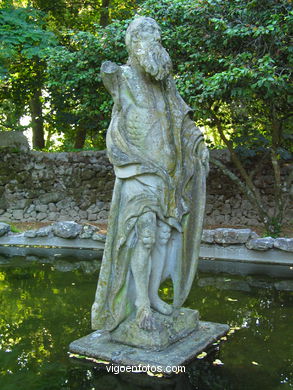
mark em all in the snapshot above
pixel 38 186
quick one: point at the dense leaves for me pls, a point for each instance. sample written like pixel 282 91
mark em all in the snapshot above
pixel 232 64
pixel 79 99
pixel 60 88
pixel 24 42
pixel 233 60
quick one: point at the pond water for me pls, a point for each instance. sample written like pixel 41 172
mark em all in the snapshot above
pixel 46 306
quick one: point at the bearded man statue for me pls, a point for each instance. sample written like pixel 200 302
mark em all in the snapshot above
pixel 161 163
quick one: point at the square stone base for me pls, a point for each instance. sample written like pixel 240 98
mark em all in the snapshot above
pixel 100 347
pixel 169 329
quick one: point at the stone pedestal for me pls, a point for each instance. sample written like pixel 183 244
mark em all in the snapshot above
pixel 99 346
pixel 169 329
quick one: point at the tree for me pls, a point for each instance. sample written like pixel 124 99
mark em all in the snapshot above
pixel 80 104
pixel 23 45
pixel 78 99
pixel 233 62
pixel 26 34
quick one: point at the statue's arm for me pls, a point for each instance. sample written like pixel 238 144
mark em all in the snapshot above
pixel 110 73
pixel 199 148
pixel 204 155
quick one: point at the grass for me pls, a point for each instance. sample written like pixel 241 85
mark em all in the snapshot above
pixel 13 228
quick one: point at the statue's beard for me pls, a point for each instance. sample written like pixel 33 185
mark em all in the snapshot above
pixel 154 59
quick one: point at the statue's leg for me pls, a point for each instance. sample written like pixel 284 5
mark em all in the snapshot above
pixel 141 268
pixel 158 262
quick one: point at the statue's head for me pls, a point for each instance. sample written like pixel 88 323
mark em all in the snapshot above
pixel 143 42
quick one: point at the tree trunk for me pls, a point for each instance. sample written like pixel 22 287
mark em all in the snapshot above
pixel 80 137
pixel 272 223
pixel 250 187
pixel 37 121
pixel 276 130
pixel 105 16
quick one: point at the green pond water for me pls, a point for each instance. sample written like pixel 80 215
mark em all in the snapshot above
pixel 45 306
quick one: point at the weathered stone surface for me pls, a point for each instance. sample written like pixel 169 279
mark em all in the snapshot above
pixel 52 207
pixel 17 214
pixel 99 237
pixel 19 204
pixel 83 214
pixel 253 235
pixel 30 233
pixel 13 140
pixel 260 244
pixel 146 234
pixel 4 228
pixel 224 205
pixel 169 329
pixel 87 231
pixel 98 345
pixel 51 197
pixel 53 216
pixel 41 216
pixel 43 208
pixel 285 244
pixel 95 208
pixel 231 236
pixel 44 231
pixel 66 229
pixel 208 236
pixel 103 215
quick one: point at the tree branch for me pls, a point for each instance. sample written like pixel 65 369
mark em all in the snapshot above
pixel 244 188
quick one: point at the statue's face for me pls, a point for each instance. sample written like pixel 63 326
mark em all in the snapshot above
pixel 150 34
pixel 144 44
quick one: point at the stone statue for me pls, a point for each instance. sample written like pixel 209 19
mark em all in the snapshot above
pixel 160 162
pixel 155 223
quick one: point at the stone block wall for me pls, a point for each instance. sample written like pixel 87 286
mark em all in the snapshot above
pixel 37 186
pixel 227 205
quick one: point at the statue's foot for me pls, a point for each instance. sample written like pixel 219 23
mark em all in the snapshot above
pixel 145 319
pixel 162 307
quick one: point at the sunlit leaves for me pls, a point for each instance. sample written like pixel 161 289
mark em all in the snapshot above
pixel 233 52
pixel 22 33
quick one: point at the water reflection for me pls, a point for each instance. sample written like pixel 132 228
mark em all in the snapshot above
pixel 43 310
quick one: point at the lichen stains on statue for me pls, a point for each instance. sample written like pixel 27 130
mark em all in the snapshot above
pixel 160 162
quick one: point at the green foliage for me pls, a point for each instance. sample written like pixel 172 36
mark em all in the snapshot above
pixel 10 114
pixel 274 229
pixel 233 59
pixel 13 228
pixel 77 95
pixel 24 42
pixel 22 36
pixel 28 36
pixel 233 64
pixel 73 99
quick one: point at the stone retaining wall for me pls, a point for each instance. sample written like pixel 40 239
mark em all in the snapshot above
pixel 37 186
pixel 73 230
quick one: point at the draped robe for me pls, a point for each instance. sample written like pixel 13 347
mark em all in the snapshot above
pixel 153 144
